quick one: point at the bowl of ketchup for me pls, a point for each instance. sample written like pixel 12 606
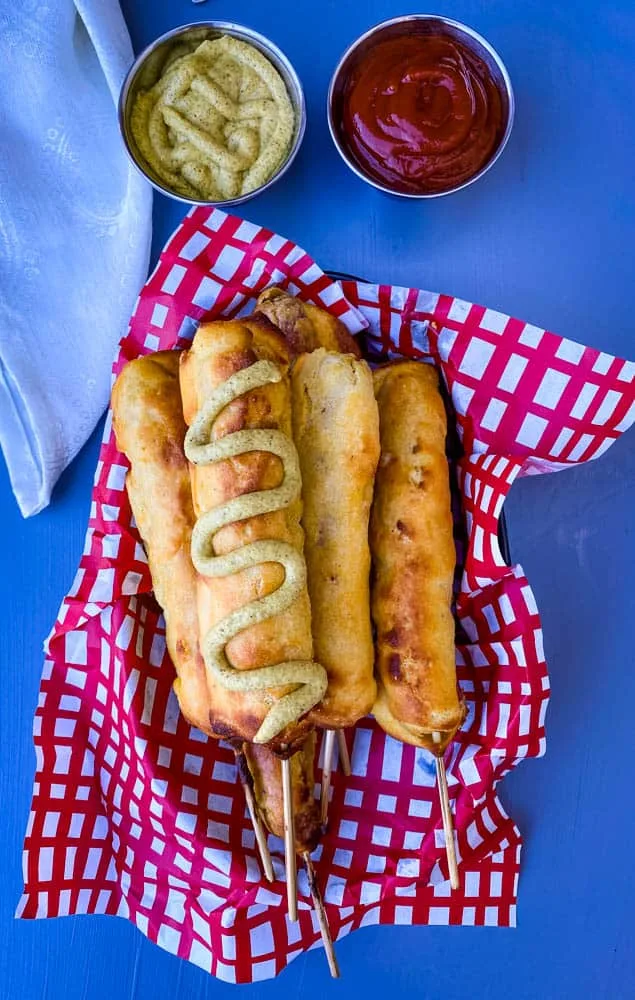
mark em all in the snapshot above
pixel 420 106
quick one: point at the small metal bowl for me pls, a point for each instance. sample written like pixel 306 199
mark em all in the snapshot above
pixel 424 24
pixel 146 70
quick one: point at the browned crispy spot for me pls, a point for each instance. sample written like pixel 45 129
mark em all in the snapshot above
pixel 394 666
pixel 418 478
pixel 307 830
pixel 221 729
pixel 393 638
pixel 234 361
pixel 244 773
pixel 172 453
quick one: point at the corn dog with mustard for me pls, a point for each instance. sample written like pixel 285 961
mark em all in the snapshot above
pixel 253 605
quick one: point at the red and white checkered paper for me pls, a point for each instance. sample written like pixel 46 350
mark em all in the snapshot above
pixel 138 815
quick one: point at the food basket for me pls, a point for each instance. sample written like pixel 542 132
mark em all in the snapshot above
pixel 138 815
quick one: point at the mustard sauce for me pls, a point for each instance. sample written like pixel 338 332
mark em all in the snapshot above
pixel 217 123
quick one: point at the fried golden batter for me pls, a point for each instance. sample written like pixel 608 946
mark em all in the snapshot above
pixel 413 561
pixel 336 430
pixel 149 428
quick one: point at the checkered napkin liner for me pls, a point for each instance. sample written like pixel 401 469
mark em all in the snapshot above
pixel 136 814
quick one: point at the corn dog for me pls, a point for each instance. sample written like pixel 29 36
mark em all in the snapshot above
pixel 265 770
pixel 336 430
pixel 413 562
pixel 303 325
pixel 253 606
pixel 149 429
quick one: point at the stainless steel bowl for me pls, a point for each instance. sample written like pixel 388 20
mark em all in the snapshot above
pixel 423 24
pixel 146 69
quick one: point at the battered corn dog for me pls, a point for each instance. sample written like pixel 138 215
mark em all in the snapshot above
pixel 305 326
pixel 149 428
pixel 265 770
pixel 336 430
pixel 413 562
pixel 253 606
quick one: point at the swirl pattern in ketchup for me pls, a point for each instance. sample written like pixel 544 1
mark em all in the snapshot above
pixel 422 113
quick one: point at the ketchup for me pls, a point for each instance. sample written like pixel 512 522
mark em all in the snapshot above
pixel 421 113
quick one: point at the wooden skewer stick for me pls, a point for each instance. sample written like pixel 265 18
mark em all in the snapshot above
pixel 345 760
pixel 327 767
pixel 289 840
pixel 446 814
pixel 254 816
pixel 318 903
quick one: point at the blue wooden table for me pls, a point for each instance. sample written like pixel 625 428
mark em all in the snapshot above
pixel 548 236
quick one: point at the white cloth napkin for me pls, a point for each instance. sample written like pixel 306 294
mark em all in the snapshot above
pixel 75 225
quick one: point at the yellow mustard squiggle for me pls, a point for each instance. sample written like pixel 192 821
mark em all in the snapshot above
pixel 309 677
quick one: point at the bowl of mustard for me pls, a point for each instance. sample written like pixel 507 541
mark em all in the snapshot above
pixel 212 113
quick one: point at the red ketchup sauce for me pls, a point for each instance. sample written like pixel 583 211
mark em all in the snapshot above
pixel 421 113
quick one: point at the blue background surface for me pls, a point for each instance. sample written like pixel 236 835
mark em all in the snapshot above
pixel 548 236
